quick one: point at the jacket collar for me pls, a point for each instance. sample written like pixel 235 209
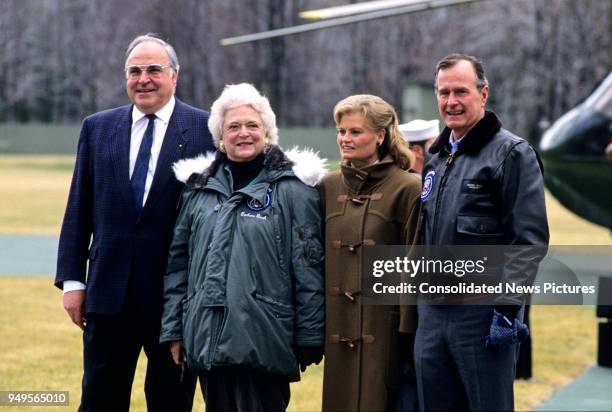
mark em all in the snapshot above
pixel 305 164
pixel 364 179
pixel 474 140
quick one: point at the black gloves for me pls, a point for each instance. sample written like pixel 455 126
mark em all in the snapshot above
pixel 307 356
pixel 505 331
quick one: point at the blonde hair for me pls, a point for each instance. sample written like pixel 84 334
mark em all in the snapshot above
pixel 380 115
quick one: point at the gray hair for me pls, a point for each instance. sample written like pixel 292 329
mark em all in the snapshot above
pixel 174 63
pixel 454 58
pixel 236 95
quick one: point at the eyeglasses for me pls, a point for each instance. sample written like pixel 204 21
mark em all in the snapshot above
pixel 153 70
pixel 251 126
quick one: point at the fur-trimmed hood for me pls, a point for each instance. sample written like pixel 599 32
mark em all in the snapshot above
pixel 305 164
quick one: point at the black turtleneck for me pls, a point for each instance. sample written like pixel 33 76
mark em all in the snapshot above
pixel 244 172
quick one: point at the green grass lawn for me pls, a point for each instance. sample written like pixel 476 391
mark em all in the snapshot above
pixel 40 349
pixel 34 191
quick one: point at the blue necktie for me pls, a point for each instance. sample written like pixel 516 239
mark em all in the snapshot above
pixel 141 168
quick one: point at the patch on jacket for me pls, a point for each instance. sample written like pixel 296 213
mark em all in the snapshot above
pixel 474 186
pixel 256 206
pixel 428 183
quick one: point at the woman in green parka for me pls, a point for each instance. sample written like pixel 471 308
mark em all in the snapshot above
pixel 372 200
pixel 243 293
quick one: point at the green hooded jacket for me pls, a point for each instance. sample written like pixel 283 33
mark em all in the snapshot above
pixel 245 282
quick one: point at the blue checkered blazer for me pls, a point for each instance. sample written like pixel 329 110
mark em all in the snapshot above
pixel 102 234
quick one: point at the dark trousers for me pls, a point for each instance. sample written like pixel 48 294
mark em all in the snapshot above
pixel 524 362
pixel 454 370
pixel 240 389
pixel 407 396
pixel 111 346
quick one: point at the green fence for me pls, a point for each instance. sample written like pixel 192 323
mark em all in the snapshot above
pixel 61 139
pixel 38 138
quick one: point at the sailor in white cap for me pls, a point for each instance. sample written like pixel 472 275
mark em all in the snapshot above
pixel 420 134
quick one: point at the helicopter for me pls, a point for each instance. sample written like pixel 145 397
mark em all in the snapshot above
pixel 576 150
pixel 577 155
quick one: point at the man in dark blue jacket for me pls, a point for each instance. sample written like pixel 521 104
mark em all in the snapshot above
pixel 118 227
pixel 482 186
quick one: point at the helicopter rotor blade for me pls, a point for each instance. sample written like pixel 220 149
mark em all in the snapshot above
pixel 340 21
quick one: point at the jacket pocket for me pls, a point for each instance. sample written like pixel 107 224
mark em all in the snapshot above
pixel 479 226
pixel 271 331
pixel 310 244
pixel 277 328
pixel 279 243
pixel 277 309
pixel 202 328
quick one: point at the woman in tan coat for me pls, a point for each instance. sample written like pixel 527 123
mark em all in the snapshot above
pixel 372 200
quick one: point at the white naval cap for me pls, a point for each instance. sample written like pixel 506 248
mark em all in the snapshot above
pixel 420 130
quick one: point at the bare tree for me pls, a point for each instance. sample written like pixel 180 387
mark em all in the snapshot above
pixel 61 60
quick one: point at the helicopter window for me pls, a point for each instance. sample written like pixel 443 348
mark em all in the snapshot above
pixel 593 137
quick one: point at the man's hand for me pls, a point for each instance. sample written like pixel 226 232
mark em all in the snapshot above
pixel 307 356
pixel 505 331
pixel 176 348
pixel 74 303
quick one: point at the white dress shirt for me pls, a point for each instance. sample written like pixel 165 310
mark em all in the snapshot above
pixel 139 126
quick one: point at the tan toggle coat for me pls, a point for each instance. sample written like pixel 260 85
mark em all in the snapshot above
pixel 376 205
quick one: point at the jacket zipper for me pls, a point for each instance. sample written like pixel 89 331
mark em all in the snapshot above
pixel 219 311
pixel 448 163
